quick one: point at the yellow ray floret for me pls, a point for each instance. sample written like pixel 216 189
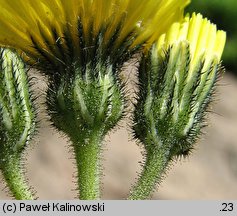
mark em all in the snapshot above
pixel 202 36
pixel 25 24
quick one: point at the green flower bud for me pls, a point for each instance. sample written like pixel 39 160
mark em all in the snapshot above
pixel 176 83
pixel 88 103
pixel 86 107
pixel 17 120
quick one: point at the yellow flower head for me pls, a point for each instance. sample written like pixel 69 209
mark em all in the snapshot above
pixel 176 80
pixel 61 32
pixel 184 65
pixel 204 40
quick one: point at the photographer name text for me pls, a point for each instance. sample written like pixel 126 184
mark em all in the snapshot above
pixel 52 207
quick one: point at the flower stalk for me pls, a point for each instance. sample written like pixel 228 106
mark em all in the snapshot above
pixel 13 174
pixel 154 168
pixel 87 153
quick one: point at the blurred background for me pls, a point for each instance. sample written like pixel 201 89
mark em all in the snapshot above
pixel 209 173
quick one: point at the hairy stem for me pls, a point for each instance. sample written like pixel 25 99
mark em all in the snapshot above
pixel 14 177
pixel 87 154
pixel 152 173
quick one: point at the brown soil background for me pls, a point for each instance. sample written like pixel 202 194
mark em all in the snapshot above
pixel 209 173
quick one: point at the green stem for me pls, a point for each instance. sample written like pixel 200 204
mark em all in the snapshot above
pixel 12 172
pixel 87 153
pixel 153 170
